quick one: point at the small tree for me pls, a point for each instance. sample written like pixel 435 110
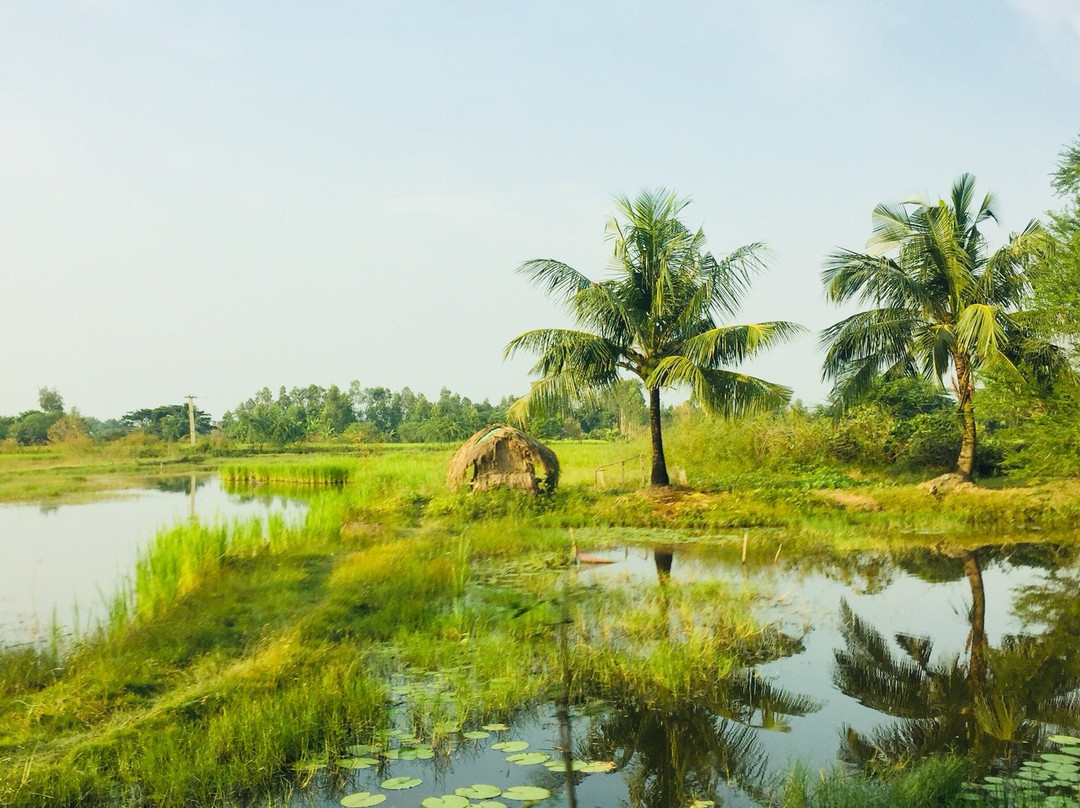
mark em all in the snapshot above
pixel 49 400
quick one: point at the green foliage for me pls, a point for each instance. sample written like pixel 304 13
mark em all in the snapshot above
pixel 49 400
pixel 32 427
pixel 932 784
pixel 656 318
pixel 945 305
pixel 169 422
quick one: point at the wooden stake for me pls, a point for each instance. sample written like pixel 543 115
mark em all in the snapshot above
pixel 191 418
pixel 745 541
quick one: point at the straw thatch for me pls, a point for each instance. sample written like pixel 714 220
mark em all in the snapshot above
pixel 501 455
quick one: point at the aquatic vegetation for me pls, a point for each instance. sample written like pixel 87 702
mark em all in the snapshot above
pixel 315 471
pixel 1050 781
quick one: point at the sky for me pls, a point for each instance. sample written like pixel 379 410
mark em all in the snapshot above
pixel 208 198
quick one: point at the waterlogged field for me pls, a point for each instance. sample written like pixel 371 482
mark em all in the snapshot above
pixel 401 644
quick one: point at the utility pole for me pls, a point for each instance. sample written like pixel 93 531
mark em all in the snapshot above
pixel 191 418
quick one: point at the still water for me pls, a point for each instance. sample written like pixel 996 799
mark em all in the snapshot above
pixel 64 563
pixel 970 651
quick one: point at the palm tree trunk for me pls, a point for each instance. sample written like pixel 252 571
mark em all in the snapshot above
pixel 659 465
pixel 977 638
pixel 965 390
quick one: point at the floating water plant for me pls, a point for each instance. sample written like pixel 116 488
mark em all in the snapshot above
pixel 528 758
pixel 476 735
pixel 526 793
pixel 362 749
pixel 357 763
pixel 560 765
pixel 446 801
pixel 401 783
pixel 495 727
pixel 599 766
pixel 362 799
pixel 1052 781
pixel 510 746
pixel 478 791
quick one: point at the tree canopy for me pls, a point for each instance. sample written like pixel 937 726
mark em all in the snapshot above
pixel 656 318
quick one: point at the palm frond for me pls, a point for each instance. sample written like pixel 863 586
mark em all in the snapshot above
pixel 881 335
pixel 554 277
pixel 729 345
pixel 979 332
pixel 891 226
pixel 721 392
pixel 872 279
pixel 590 357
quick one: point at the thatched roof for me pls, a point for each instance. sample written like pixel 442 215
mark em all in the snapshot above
pixel 501 455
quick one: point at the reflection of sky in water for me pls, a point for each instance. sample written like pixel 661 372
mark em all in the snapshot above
pixel 810 602
pixel 56 559
pixel 52 558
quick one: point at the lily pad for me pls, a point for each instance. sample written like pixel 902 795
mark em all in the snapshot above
pixel 560 765
pixel 1051 757
pixel 490 804
pixel 361 749
pixel 476 735
pixel 310 765
pixel 528 758
pixel 1065 739
pixel 400 783
pixel 478 791
pixel 446 801
pixel 599 766
pixel 362 799
pixel 446 728
pixel 510 746
pixel 495 727
pixel 526 793
pixel 357 763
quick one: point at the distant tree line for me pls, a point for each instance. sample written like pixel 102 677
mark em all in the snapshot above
pixel 51 424
pixel 378 414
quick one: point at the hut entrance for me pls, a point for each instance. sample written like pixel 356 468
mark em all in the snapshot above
pixel 500 455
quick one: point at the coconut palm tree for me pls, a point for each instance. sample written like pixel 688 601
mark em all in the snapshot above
pixel 946 306
pixel 655 317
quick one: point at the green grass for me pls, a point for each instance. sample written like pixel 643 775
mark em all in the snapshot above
pixel 239 651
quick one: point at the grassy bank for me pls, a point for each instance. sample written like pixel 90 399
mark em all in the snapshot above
pixel 241 654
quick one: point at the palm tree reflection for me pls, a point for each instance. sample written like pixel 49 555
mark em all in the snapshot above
pixel 675 750
pixel 990 704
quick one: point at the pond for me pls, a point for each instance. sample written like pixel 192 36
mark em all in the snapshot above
pixel 928 651
pixel 61 564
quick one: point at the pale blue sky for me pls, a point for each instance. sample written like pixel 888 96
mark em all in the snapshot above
pixel 210 197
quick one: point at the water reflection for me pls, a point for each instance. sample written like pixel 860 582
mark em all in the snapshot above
pixel 991 704
pixel 706 746
pixel 60 564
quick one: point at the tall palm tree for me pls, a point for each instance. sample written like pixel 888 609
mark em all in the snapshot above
pixel 946 305
pixel 655 317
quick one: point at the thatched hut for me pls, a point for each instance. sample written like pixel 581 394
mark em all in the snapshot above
pixel 501 455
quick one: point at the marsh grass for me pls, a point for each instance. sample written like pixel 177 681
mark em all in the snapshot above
pixel 931 784
pixel 241 649
pixel 309 472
